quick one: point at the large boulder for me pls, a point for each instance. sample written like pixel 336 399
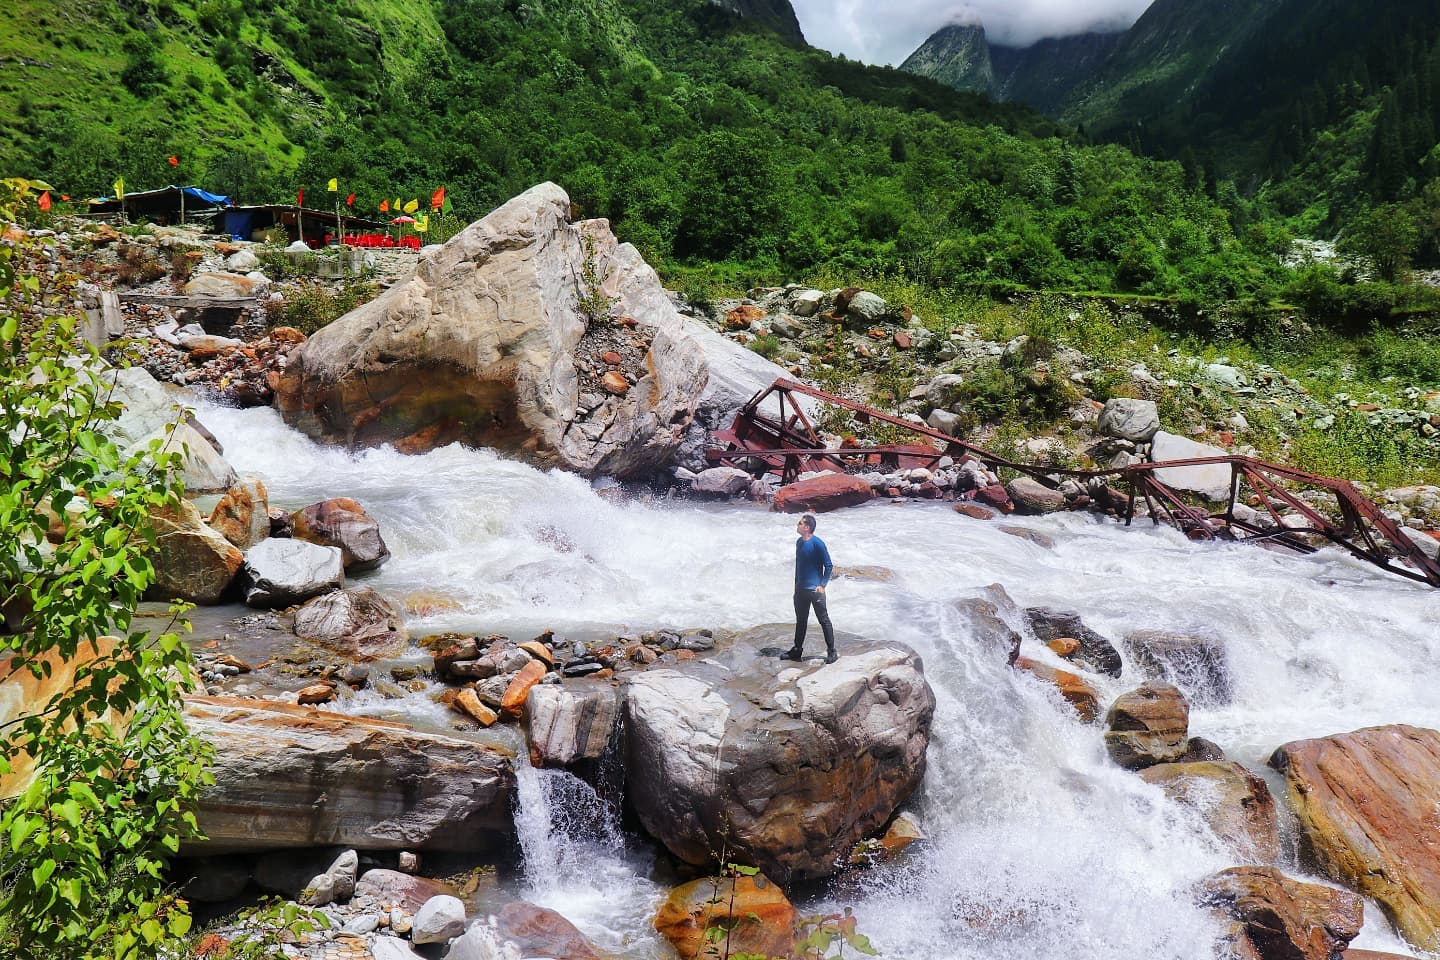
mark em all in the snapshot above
pixel 1279 918
pixel 785 768
pixel 1234 802
pixel 539 932
pixel 1366 805
pixel 1147 726
pixel 192 561
pixel 150 411
pixel 280 572
pixel 570 724
pixel 291 776
pixel 1074 689
pixel 243 514
pixel 759 917
pixel 341 522
pixel 358 622
pixel 990 619
pixel 480 345
pixel 821 494
pixel 403 890
pixel 1128 419
pixel 1209 480
pixel 1094 653
pixel 1032 496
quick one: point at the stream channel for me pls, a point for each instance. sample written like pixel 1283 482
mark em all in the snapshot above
pixel 1038 846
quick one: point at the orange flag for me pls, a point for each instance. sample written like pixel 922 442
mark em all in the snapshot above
pixel 44 201
pixel 437 199
pixel 350 200
pixel 173 161
pixel 384 206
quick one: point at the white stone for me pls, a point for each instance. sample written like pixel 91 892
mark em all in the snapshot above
pixel 392 948
pixel 242 262
pixel 1129 419
pixel 804 303
pixel 723 480
pixel 1211 481
pixel 440 919
pixel 281 572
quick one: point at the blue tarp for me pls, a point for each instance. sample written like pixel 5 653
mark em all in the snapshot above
pixel 204 196
pixel 214 199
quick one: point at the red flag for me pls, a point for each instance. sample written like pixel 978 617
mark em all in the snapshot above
pixel 437 199
pixel 300 198
pixel 44 201
pixel 385 205
pixel 350 200
pixel 65 198
pixel 174 161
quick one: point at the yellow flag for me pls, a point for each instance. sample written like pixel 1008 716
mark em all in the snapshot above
pixel 412 205
pixel 119 186
pixel 333 185
pixel 423 224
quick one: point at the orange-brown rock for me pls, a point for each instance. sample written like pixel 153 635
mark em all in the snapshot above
pixel 763 918
pixel 1065 647
pixel 1374 955
pixel 614 381
pixel 1073 688
pixel 611 357
pixel 1148 725
pixel 1366 805
pixel 192 562
pixel 820 494
pixel 539 932
pixel 1234 802
pixel 316 693
pixel 974 511
pixel 467 701
pixel 903 340
pixel 539 651
pixel 995 495
pixel 1278 917
pixel 513 702
pixel 744 315
pixel 243 514
pixel 342 522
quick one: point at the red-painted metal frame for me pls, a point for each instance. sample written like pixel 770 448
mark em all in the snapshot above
pixel 789 444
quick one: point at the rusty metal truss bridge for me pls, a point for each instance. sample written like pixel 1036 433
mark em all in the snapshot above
pixel 772 434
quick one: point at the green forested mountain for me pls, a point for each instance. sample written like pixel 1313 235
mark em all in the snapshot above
pixel 705 137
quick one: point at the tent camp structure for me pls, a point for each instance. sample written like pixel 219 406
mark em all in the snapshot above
pixel 166 205
pixel 246 223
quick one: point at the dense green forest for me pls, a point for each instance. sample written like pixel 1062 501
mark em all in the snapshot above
pixel 708 140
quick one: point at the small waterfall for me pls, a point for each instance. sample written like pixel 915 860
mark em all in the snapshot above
pixel 565 828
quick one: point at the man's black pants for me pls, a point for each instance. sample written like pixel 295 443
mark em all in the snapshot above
pixel 804 600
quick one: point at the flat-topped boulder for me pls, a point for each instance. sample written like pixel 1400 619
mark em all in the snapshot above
pixel 291 776
pixel 780 765
pixel 1366 804
pixel 483 345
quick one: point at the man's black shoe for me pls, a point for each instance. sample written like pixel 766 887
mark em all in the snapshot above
pixel 792 654
pixel 831 657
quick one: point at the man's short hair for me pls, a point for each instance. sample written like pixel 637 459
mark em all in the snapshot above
pixel 809 521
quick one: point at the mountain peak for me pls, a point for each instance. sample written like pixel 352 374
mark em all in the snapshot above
pixel 778 15
pixel 958 55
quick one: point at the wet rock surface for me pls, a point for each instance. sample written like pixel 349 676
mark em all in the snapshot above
pixel 1148 726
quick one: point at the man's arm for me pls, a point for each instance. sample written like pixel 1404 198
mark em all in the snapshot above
pixel 827 569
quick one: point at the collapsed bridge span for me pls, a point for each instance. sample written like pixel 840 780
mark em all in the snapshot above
pixel 773 434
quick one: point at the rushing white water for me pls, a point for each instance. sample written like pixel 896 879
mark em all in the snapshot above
pixel 1038 846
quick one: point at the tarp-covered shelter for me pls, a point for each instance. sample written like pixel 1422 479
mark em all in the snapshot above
pixel 162 206
pixel 247 223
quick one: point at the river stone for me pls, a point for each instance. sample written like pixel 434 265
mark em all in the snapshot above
pixel 990 619
pixel 1147 726
pixel 357 622
pixel 148 411
pixel 1032 496
pixel 762 916
pixel 1365 803
pixel 944 421
pixel 1095 653
pixel 479 345
pixel 726 481
pixel 343 523
pixel 539 932
pixel 402 890
pixel 1133 420
pixel 1073 689
pixel 243 514
pixel 224 285
pixel 571 723
pixel 1279 917
pixel 1234 802
pixel 1211 481
pixel 832 491
pixel 439 920
pixel 281 572
pixel 202 468
pixel 1199 666
pixel 192 562
pixel 311 877
pixel 292 776
pixel 785 768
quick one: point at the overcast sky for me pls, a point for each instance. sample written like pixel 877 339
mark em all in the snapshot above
pixel 887 31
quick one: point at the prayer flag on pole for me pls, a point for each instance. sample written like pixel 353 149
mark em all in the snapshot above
pixel 333 185
pixel 385 206
pixel 423 224
pixel 119 187
pixel 300 198
pixel 44 201
pixel 173 161
pixel 350 200
pixel 446 207
pixel 437 199
pixel 412 205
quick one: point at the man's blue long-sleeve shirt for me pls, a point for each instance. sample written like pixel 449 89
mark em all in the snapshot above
pixel 812 563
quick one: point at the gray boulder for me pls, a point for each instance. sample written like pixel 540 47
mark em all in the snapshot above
pixel 281 572
pixel 1211 480
pixel 1199 666
pixel 438 921
pixel 1147 726
pixel 570 724
pixel 313 778
pixel 866 309
pixel 358 622
pixel 723 481
pixel 151 411
pixel 1128 419
pixel 941 391
pixel 1032 496
pixel 1096 653
pixel 314 878
pixel 784 769
pixel 944 421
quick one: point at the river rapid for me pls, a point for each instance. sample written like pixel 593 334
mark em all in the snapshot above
pixel 1038 846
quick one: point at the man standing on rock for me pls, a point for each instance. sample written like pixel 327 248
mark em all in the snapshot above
pixel 812 573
